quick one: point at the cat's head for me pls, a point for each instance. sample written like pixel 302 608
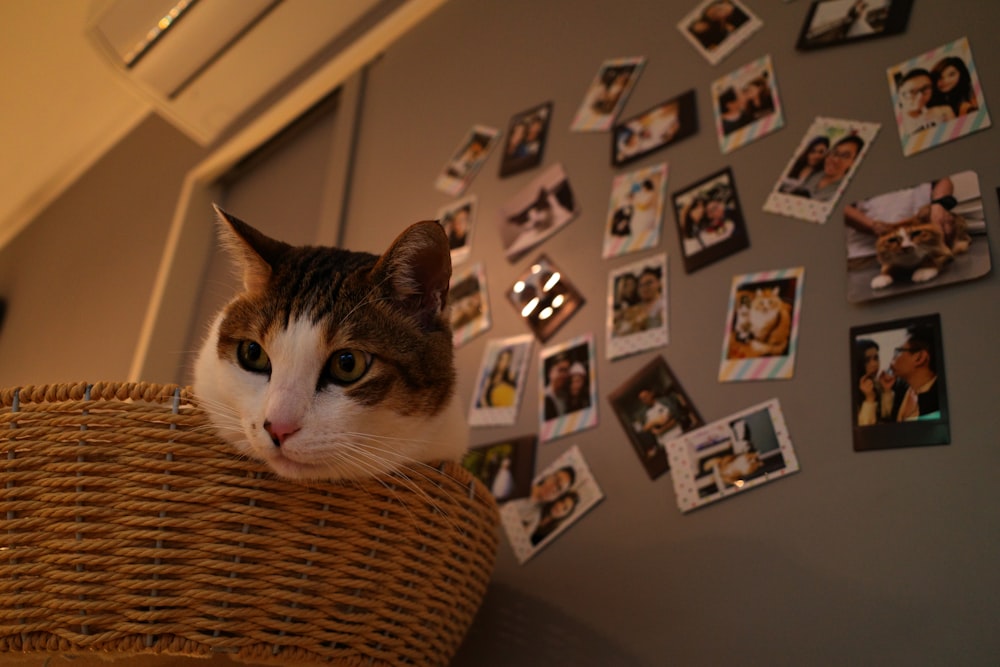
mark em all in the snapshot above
pixel 908 243
pixel 332 364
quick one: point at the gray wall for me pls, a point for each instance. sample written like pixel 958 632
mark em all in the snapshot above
pixel 886 557
pixel 78 279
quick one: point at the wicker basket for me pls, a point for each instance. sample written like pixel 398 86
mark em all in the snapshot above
pixel 127 528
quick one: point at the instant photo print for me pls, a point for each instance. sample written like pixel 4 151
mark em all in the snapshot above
pixel 710 221
pixel 536 212
pixel 746 105
pixel 653 410
pixel 635 211
pixel 544 297
pixel 525 144
pixel 898 393
pixel 506 467
pixel 937 97
pixel 464 164
pixel 560 496
pixel 731 456
pixel 459 220
pixel 653 129
pixel 928 235
pixel 819 170
pixel 469 301
pixel 502 377
pixel 607 94
pixel 716 27
pixel 762 327
pixel 567 396
pixel 637 307
pixel 834 22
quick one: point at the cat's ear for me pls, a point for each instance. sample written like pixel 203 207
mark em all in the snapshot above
pixel 417 269
pixel 254 253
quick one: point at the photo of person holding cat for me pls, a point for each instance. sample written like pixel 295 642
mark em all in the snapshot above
pixel 926 235
pixel 899 393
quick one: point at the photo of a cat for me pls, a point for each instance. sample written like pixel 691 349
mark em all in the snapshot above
pixel 898 392
pixel 501 380
pixel 560 495
pixel 653 410
pixel 469 304
pixel 732 455
pixel 928 235
pixel 506 467
pixel 761 334
pixel 464 164
pixel 637 317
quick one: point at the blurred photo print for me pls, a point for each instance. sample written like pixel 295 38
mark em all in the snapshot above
pixel 507 467
pixel 762 327
pixel 561 494
pixel 732 455
pixel 710 220
pixel 635 211
pixel 653 129
pixel 567 397
pixel 458 220
pixel 833 22
pixel 928 235
pixel 820 169
pixel 746 105
pixel 501 381
pixel 607 94
pixel 898 394
pixel 637 307
pixel 544 297
pixel 538 211
pixel 472 151
pixel 937 97
pixel 469 304
pixel 716 27
pixel 525 142
pixel 653 410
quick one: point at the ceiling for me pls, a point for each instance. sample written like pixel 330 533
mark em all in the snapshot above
pixel 63 106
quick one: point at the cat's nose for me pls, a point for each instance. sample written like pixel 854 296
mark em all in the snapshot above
pixel 280 431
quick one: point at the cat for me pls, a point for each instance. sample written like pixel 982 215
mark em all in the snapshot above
pixel 733 469
pixel 918 249
pixel 333 364
pixel 762 324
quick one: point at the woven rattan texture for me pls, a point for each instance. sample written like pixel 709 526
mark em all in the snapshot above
pixel 127 527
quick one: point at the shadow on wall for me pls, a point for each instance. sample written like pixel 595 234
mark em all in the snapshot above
pixel 512 628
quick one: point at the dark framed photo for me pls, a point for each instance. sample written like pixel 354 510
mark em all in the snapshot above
pixel 710 221
pixel 833 22
pixel 526 137
pixel 653 409
pixel 505 467
pixel 927 235
pixel 653 129
pixel 898 393
pixel 544 297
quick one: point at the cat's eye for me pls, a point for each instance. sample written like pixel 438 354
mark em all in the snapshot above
pixel 252 357
pixel 347 366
